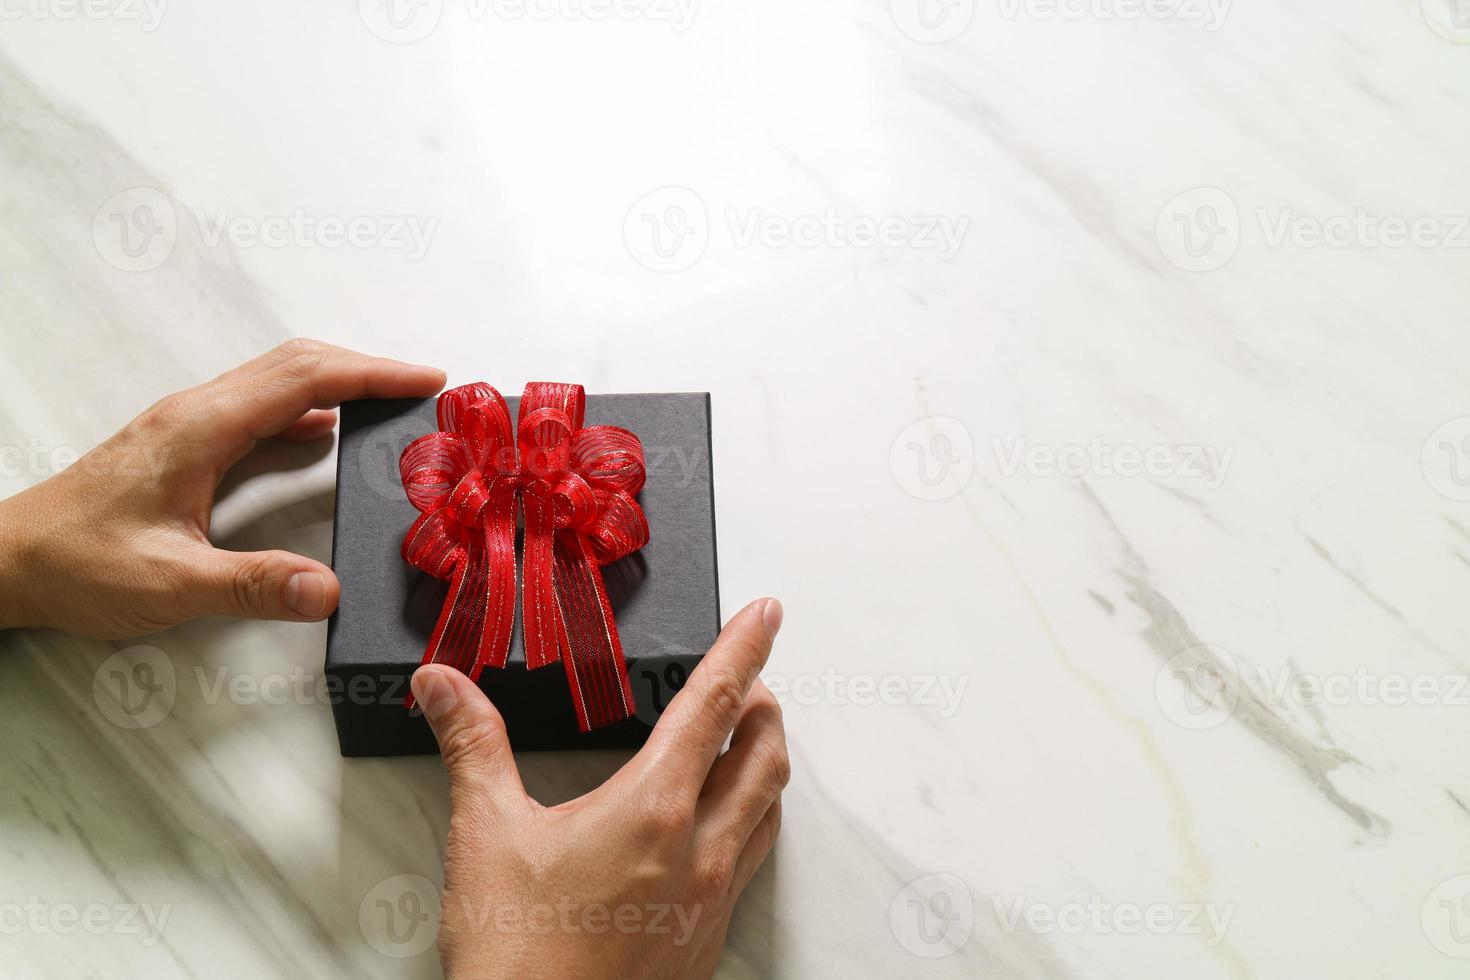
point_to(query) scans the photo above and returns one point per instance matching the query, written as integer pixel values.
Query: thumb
(262, 585)
(470, 732)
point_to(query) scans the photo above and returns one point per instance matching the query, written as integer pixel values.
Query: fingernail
(772, 614)
(434, 693)
(306, 594)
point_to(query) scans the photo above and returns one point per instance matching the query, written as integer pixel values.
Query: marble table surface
(1088, 380)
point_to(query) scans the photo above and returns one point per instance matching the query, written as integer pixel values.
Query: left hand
(117, 544)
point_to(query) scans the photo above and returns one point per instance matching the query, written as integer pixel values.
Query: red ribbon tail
(457, 635)
(477, 618)
(540, 620)
(500, 551)
(591, 651)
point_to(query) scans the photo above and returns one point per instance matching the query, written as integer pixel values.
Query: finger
(745, 781)
(265, 404)
(260, 585)
(283, 351)
(313, 425)
(712, 950)
(276, 397)
(279, 354)
(471, 735)
(757, 849)
(688, 736)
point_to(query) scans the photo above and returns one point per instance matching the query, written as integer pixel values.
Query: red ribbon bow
(576, 489)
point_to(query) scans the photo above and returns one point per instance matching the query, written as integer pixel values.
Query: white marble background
(985, 650)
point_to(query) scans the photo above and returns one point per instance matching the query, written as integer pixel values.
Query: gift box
(664, 596)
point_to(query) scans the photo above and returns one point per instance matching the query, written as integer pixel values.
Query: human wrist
(16, 564)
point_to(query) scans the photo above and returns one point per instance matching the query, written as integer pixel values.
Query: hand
(637, 878)
(117, 544)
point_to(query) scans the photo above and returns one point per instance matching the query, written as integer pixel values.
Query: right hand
(639, 877)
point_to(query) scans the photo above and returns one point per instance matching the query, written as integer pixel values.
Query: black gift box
(665, 596)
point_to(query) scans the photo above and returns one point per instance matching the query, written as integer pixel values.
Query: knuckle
(668, 815)
(305, 365)
(763, 838)
(762, 706)
(762, 697)
(724, 699)
(713, 874)
(470, 745)
(171, 410)
(250, 586)
(773, 763)
(297, 346)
